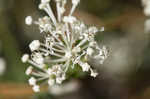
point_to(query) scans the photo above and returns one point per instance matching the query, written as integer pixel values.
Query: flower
(34, 45)
(75, 2)
(90, 51)
(51, 82)
(147, 11)
(85, 67)
(2, 66)
(38, 58)
(28, 20)
(36, 88)
(93, 74)
(68, 44)
(69, 19)
(146, 4)
(32, 81)
(45, 1)
(25, 58)
(29, 70)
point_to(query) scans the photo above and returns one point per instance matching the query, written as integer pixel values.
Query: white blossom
(29, 70)
(85, 67)
(69, 19)
(146, 2)
(28, 20)
(147, 10)
(68, 43)
(49, 71)
(38, 58)
(42, 6)
(25, 58)
(146, 5)
(75, 2)
(59, 80)
(34, 45)
(147, 25)
(62, 10)
(32, 81)
(36, 88)
(51, 82)
(93, 74)
(68, 54)
(93, 30)
(90, 51)
(45, 1)
(102, 29)
(2, 66)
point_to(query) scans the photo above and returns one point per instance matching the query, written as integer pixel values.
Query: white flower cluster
(68, 44)
(146, 5)
(2, 66)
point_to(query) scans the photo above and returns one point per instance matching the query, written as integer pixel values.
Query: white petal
(69, 19)
(90, 51)
(28, 20)
(32, 81)
(2, 66)
(45, 1)
(85, 67)
(93, 74)
(51, 82)
(25, 58)
(38, 58)
(36, 88)
(147, 11)
(34, 45)
(75, 2)
(29, 70)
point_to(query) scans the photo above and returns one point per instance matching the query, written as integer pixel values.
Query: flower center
(68, 54)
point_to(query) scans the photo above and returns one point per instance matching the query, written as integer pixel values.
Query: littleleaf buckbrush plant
(68, 44)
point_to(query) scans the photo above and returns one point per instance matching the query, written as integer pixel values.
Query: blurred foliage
(10, 50)
(43, 96)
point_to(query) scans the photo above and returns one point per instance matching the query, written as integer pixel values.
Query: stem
(58, 11)
(72, 9)
(50, 13)
(56, 60)
(82, 42)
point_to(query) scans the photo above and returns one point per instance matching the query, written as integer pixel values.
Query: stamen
(75, 3)
(82, 42)
(56, 60)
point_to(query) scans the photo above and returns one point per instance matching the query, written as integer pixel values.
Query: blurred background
(124, 75)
